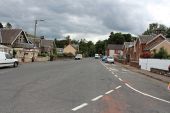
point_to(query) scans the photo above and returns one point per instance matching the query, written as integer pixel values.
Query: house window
(21, 38)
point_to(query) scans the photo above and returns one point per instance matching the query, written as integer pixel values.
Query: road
(86, 86)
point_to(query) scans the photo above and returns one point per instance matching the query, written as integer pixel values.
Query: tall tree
(8, 25)
(1, 26)
(168, 33)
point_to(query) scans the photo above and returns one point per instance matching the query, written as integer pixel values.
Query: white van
(7, 60)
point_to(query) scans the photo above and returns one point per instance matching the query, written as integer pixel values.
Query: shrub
(146, 54)
(162, 54)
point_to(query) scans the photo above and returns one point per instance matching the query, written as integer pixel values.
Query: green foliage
(100, 47)
(1, 26)
(8, 25)
(155, 28)
(162, 54)
(87, 48)
(14, 53)
(60, 43)
(119, 38)
(168, 33)
(43, 54)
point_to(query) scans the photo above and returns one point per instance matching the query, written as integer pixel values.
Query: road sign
(169, 87)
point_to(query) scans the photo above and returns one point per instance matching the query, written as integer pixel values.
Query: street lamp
(35, 30)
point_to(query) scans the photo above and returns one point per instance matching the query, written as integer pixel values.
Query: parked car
(78, 57)
(109, 59)
(104, 58)
(6, 60)
(97, 56)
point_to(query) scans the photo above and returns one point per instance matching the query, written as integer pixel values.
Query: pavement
(159, 77)
(85, 86)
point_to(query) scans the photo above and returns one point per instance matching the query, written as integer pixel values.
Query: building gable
(21, 38)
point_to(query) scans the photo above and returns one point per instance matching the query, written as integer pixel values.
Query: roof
(47, 43)
(9, 35)
(149, 47)
(146, 38)
(115, 46)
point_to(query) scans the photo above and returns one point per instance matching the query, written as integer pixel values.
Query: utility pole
(35, 31)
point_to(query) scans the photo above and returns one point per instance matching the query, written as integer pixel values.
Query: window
(8, 56)
(21, 38)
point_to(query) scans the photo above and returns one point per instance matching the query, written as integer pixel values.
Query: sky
(89, 19)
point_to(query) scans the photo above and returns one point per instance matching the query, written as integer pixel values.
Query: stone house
(17, 39)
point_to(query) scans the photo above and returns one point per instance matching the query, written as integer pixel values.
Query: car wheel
(15, 64)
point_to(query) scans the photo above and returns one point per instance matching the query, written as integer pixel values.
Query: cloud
(96, 18)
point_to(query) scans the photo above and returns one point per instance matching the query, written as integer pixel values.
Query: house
(42, 44)
(114, 50)
(149, 43)
(6, 49)
(70, 49)
(17, 39)
(128, 50)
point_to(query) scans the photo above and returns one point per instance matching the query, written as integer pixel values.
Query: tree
(155, 28)
(168, 33)
(1, 26)
(100, 47)
(8, 25)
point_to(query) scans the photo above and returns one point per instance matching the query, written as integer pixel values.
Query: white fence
(147, 64)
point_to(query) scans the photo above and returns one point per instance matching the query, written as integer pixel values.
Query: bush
(43, 54)
(162, 54)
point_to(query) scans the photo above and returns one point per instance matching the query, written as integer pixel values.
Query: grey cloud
(91, 16)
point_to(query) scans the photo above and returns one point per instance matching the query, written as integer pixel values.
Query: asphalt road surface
(85, 86)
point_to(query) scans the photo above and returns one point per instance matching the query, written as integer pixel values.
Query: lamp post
(35, 31)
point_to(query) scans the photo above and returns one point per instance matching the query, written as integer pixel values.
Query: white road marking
(116, 76)
(113, 73)
(109, 92)
(118, 87)
(124, 70)
(97, 98)
(145, 94)
(79, 107)
(120, 79)
(110, 70)
(113, 69)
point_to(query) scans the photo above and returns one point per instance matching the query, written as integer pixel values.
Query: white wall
(147, 64)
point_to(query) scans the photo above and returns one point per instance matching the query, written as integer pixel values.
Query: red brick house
(147, 43)
(114, 50)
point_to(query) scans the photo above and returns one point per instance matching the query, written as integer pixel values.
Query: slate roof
(9, 35)
(115, 47)
(146, 38)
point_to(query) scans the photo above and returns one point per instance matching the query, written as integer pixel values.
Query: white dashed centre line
(97, 98)
(147, 94)
(120, 79)
(118, 87)
(109, 92)
(116, 76)
(79, 107)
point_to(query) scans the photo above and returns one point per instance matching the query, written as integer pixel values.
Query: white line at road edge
(118, 87)
(79, 107)
(147, 94)
(109, 92)
(97, 98)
